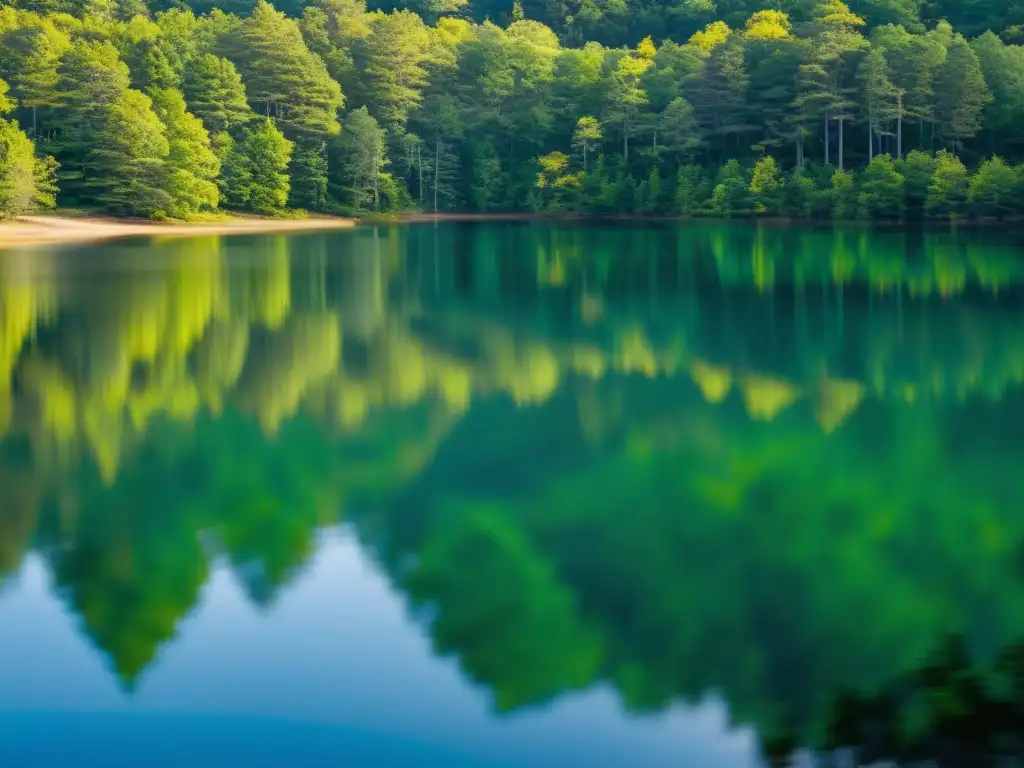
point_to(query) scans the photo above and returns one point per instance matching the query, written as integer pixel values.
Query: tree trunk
(419, 164)
(842, 122)
(899, 130)
(871, 138)
(437, 158)
(625, 146)
(376, 179)
(584, 157)
(826, 140)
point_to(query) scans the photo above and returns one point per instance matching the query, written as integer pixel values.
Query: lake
(514, 494)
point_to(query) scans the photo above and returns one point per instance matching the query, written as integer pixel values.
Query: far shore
(57, 229)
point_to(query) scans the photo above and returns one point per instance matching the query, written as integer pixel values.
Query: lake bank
(36, 230)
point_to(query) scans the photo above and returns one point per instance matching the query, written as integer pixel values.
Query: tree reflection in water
(781, 465)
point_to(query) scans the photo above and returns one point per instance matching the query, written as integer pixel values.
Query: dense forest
(883, 109)
(474, 416)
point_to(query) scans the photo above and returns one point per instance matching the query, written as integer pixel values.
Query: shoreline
(555, 217)
(58, 229)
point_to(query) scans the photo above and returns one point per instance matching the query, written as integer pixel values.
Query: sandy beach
(32, 230)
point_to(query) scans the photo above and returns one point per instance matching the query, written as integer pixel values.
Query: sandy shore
(30, 230)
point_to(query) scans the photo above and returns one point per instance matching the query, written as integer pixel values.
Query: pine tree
(309, 170)
(192, 165)
(361, 160)
(126, 160)
(214, 92)
(28, 61)
(267, 154)
(961, 94)
(394, 58)
(283, 78)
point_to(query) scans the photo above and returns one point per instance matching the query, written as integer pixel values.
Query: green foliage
(361, 158)
(125, 163)
(214, 92)
(765, 188)
(309, 176)
(947, 193)
(25, 180)
(465, 103)
(263, 157)
(283, 78)
(692, 190)
(960, 92)
(994, 189)
(730, 195)
(881, 190)
(192, 165)
(844, 196)
(917, 169)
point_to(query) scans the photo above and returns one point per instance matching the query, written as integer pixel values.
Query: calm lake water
(513, 494)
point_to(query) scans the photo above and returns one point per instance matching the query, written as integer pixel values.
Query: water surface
(513, 494)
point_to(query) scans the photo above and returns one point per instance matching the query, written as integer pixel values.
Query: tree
(91, 79)
(26, 182)
(677, 131)
(691, 190)
(627, 96)
(214, 93)
(362, 157)
(825, 87)
(1003, 69)
(947, 193)
(393, 58)
(883, 101)
(843, 193)
(126, 163)
(235, 180)
(587, 133)
(961, 94)
(994, 189)
(192, 165)
(28, 61)
(718, 94)
(253, 175)
(310, 165)
(765, 188)
(730, 194)
(917, 169)
(881, 189)
(283, 78)
(268, 153)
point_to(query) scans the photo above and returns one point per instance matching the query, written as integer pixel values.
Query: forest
(430, 390)
(880, 109)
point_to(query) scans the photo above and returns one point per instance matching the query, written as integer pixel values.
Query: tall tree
(826, 86)
(961, 94)
(393, 60)
(29, 56)
(283, 79)
(26, 181)
(586, 135)
(627, 97)
(125, 166)
(192, 166)
(214, 93)
(882, 101)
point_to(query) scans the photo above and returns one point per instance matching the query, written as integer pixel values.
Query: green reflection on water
(780, 464)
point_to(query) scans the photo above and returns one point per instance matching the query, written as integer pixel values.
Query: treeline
(157, 111)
